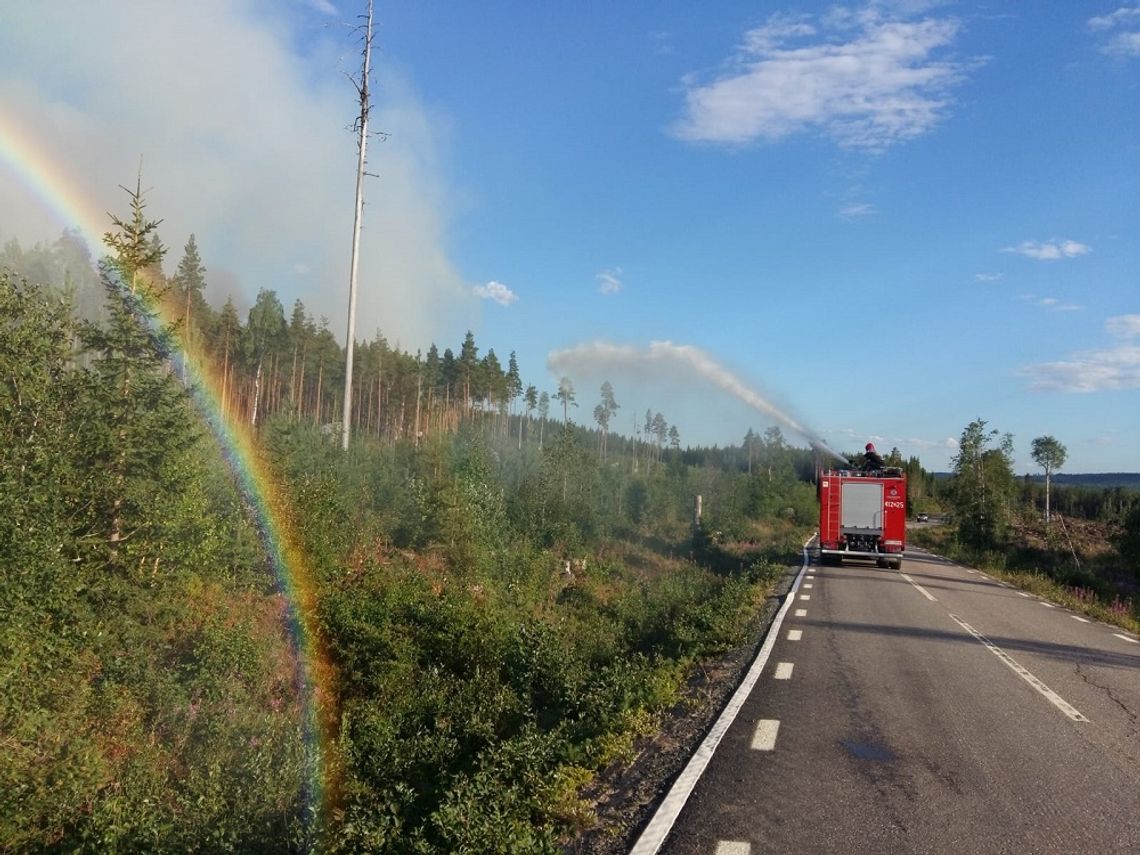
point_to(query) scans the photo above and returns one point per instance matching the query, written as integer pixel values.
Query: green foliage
(147, 699)
(503, 616)
(983, 484)
(1129, 542)
(1097, 588)
(1048, 453)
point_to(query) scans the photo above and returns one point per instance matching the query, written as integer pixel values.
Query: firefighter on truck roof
(871, 459)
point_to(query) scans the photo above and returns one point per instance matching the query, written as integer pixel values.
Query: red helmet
(870, 446)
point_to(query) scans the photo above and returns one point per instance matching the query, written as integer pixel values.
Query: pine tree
(468, 365)
(565, 394)
(490, 381)
(604, 412)
(226, 339)
(543, 412)
(265, 332)
(514, 387)
(1048, 453)
(187, 284)
(432, 376)
(300, 336)
(448, 375)
(531, 399)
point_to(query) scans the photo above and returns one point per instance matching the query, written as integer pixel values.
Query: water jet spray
(600, 355)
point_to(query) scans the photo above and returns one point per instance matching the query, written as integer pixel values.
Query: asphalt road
(928, 710)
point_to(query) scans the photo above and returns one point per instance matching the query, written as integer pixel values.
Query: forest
(497, 601)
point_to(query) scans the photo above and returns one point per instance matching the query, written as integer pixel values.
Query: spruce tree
(138, 410)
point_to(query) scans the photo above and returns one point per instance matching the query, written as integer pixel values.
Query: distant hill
(1096, 480)
(1128, 480)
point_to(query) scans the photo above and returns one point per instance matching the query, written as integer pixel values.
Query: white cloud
(662, 42)
(1089, 371)
(949, 443)
(1095, 370)
(609, 281)
(859, 438)
(988, 277)
(1123, 326)
(1051, 303)
(1050, 250)
(496, 291)
(1124, 16)
(323, 6)
(1121, 31)
(1055, 304)
(264, 182)
(868, 88)
(1124, 44)
(857, 209)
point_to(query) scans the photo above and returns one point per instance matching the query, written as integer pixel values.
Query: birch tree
(983, 483)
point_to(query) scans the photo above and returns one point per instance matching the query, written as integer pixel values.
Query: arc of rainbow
(313, 672)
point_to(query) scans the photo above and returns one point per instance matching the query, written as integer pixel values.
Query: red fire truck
(862, 515)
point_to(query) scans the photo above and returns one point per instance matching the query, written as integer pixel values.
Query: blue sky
(887, 219)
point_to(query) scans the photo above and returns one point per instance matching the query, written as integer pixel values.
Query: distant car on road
(922, 518)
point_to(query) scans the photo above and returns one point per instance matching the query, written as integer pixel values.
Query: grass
(1120, 611)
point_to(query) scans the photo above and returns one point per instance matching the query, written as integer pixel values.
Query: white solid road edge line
(733, 847)
(1053, 698)
(670, 808)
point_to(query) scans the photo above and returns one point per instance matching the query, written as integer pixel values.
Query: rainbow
(312, 670)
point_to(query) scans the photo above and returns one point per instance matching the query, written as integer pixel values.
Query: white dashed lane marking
(1049, 605)
(784, 670)
(1126, 638)
(807, 584)
(805, 596)
(654, 834)
(764, 739)
(1053, 698)
(795, 634)
(801, 612)
(1022, 594)
(920, 589)
(733, 847)
(1081, 619)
